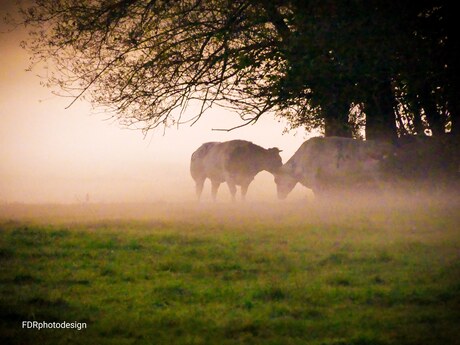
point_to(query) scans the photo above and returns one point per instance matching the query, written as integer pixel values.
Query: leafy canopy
(305, 60)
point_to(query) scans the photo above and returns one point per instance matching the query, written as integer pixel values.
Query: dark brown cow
(235, 162)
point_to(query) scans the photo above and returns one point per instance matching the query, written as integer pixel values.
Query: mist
(53, 154)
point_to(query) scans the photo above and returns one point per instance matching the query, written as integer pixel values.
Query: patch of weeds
(41, 302)
(340, 281)
(160, 304)
(175, 266)
(224, 267)
(133, 244)
(63, 233)
(11, 313)
(360, 340)
(374, 296)
(179, 239)
(84, 282)
(6, 254)
(173, 292)
(377, 280)
(273, 293)
(384, 257)
(115, 330)
(48, 309)
(237, 329)
(25, 279)
(279, 311)
(307, 314)
(109, 244)
(29, 236)
(422, 298)
(108, 271)
(248, 304)
(335, 259)
(449, 293)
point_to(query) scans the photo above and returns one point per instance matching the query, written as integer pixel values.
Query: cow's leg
(244, 189)
(232, 188)
(214, 187)
(199, 183)
(316, 186)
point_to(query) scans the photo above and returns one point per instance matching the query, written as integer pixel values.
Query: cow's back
(313, 154)
(333, 160)
(237, 161)
(222, 157)
(244, 159)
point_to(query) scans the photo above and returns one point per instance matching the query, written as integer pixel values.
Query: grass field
(382, 273)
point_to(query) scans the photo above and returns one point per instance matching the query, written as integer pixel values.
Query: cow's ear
(276, 149)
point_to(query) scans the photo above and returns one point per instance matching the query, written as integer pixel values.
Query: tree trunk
(418, 124)
(433, 116)
(380, 113)
(414, 109)
(454, 110)
(453, 69)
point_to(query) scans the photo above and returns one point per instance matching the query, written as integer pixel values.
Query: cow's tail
(197, 158)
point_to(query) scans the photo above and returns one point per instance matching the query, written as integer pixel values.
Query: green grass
(232, 274)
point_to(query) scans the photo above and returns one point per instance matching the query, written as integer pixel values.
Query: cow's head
(273, 160)
(285, 183)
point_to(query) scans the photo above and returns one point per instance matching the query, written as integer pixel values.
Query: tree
(310, 61)
(147, 59)
(428, 72)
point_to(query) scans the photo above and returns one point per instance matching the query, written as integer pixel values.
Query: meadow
(376, 273)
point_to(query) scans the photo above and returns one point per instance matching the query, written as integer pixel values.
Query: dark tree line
(389, 67)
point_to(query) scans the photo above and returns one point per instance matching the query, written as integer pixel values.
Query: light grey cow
(323, 164)
(235, 162)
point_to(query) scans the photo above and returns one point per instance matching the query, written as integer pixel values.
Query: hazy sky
(52, 154)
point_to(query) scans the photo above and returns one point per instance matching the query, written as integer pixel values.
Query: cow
(323, 164)
(235, 162)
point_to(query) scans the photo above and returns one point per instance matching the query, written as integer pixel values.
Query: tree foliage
(310, 61)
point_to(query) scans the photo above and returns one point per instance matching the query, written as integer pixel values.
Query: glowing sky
(52, 154)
